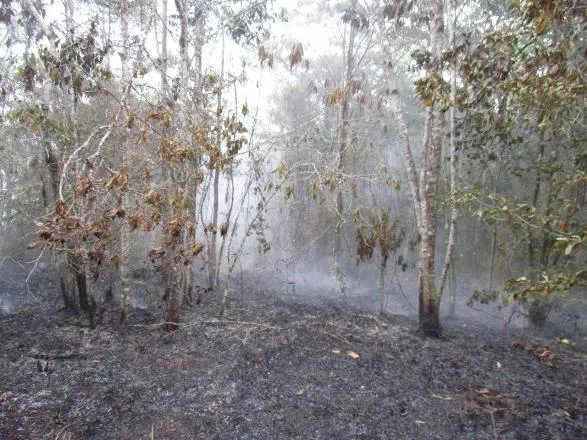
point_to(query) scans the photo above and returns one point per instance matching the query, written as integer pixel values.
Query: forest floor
(281, 367)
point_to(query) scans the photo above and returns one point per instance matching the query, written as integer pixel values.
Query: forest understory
(280, 367)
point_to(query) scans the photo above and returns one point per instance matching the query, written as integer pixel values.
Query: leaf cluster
(377, 232)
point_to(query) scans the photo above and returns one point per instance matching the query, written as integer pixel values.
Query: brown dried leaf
(118, 180)
(223, 229)
(191, 225)
(174, 227)
(296, 55)
(136, 220)
(116, 212)
(153, 197)
(197, 248)
(83, 187)
(156, 253)
(60, 208)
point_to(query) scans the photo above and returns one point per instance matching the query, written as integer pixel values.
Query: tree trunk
(492, 250)
(382, 269)
(452, 292)
(79, 273)
(229, 198)
(125, 233)
(429, 295)
(454, 213)
(185, 186)
(429, 298)
(402, 128)
(198, 102)
(349, 66)
(163, 54)
(216, 164)
(66, 282)
(213, 231)
(537, 307)
(173, 297)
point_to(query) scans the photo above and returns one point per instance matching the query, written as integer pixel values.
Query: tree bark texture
(125, 238)
(429, 295)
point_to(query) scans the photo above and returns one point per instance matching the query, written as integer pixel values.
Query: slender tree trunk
(382, 270)
(213, 263)
(125, 234)
(4, 197)
(454, 213)
(163, 62)
(67, 289)
(349, 66)
(77, 266)
(80, 279)
(540, 245)
(199, 40)
(173, 293)
(537, 313)
(174, 266)
(229, 198)
(547, 240)
(198, 103)
(53, 163)
(213, 231)
(429, 295)
(402, 128)
(452, 291)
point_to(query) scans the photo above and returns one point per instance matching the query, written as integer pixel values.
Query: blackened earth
(280, 367)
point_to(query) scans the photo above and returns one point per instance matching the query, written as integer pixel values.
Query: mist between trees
(424, 153)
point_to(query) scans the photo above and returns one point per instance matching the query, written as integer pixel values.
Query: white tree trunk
(402, 128)
(424, 184)
(429, 295)
(454, 213)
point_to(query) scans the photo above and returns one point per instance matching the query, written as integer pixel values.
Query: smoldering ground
(281, 365)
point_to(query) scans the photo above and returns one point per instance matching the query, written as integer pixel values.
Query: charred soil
(281, 367)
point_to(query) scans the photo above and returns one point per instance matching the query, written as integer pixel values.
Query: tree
(425, 188)
(520, 107)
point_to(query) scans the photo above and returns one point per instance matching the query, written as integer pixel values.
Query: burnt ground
(281, 367)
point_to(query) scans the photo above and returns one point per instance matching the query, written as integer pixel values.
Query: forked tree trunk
(180, 269)
(425, 190)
